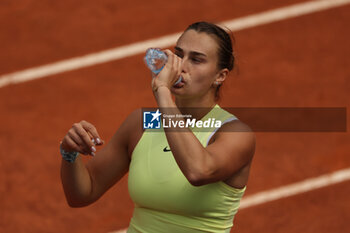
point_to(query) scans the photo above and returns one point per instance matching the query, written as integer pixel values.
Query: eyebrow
(194, 53)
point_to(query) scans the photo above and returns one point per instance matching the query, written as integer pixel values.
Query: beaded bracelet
(68, 156)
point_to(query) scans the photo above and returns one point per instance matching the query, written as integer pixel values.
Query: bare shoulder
(239, 131)
(112, 162)
(232, 148)
(132, 129)
(234, 129)
(237, 137)
(119, 145)
(132, 121)
(235, 126)
(135, 116)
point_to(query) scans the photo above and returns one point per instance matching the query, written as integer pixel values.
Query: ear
(221, 76)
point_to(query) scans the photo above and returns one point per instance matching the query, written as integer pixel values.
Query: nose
(184, 65)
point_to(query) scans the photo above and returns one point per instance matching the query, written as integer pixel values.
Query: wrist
(68, 156)
(164, 98)
(162, 92)
(163, 88)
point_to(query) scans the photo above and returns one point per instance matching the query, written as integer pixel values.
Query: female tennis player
(180, 179)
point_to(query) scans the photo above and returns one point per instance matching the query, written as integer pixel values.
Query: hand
(82, 138)
(170, 73)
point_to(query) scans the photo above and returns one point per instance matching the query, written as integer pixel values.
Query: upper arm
(111, 163)
(232, 149)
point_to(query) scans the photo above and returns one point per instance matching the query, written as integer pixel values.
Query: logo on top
(151, 120)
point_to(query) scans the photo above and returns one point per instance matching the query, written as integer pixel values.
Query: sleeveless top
(165, 201)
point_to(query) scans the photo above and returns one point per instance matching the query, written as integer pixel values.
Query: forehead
(192, 40)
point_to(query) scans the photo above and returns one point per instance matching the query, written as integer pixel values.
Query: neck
(197, 107)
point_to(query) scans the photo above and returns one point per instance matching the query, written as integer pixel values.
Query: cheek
(203, 75)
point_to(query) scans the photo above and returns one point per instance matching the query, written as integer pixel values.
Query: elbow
(200, 174)
(77, 203)
(197, 179)
(196, 183)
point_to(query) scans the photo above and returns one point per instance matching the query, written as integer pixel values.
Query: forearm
(76, 183)
(193, 159)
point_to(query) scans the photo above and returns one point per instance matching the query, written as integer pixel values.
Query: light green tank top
(165, 202)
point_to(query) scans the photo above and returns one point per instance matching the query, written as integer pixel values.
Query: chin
(176, 91)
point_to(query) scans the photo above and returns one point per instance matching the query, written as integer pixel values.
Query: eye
(196, 60)
(179, 54)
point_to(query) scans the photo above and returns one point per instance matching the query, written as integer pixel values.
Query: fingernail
(98, 140)
(93, 141)
(93, 154)
(93, 149)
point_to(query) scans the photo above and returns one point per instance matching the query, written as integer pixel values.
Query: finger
(92, 132)
(152, 83)
(75, 137)
(168, 52)
(178, 66)
(175, 65)
(78, 141)
(170, 57)
(153, 75)
(174, 62)
(177, 69)
(69, 145)
(97, 141)
(84, 137)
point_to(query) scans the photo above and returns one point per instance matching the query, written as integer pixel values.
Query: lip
(180, 84)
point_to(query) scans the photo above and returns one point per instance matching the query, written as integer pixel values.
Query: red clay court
(296, 62)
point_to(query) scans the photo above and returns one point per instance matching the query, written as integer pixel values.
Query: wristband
(68, 156)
